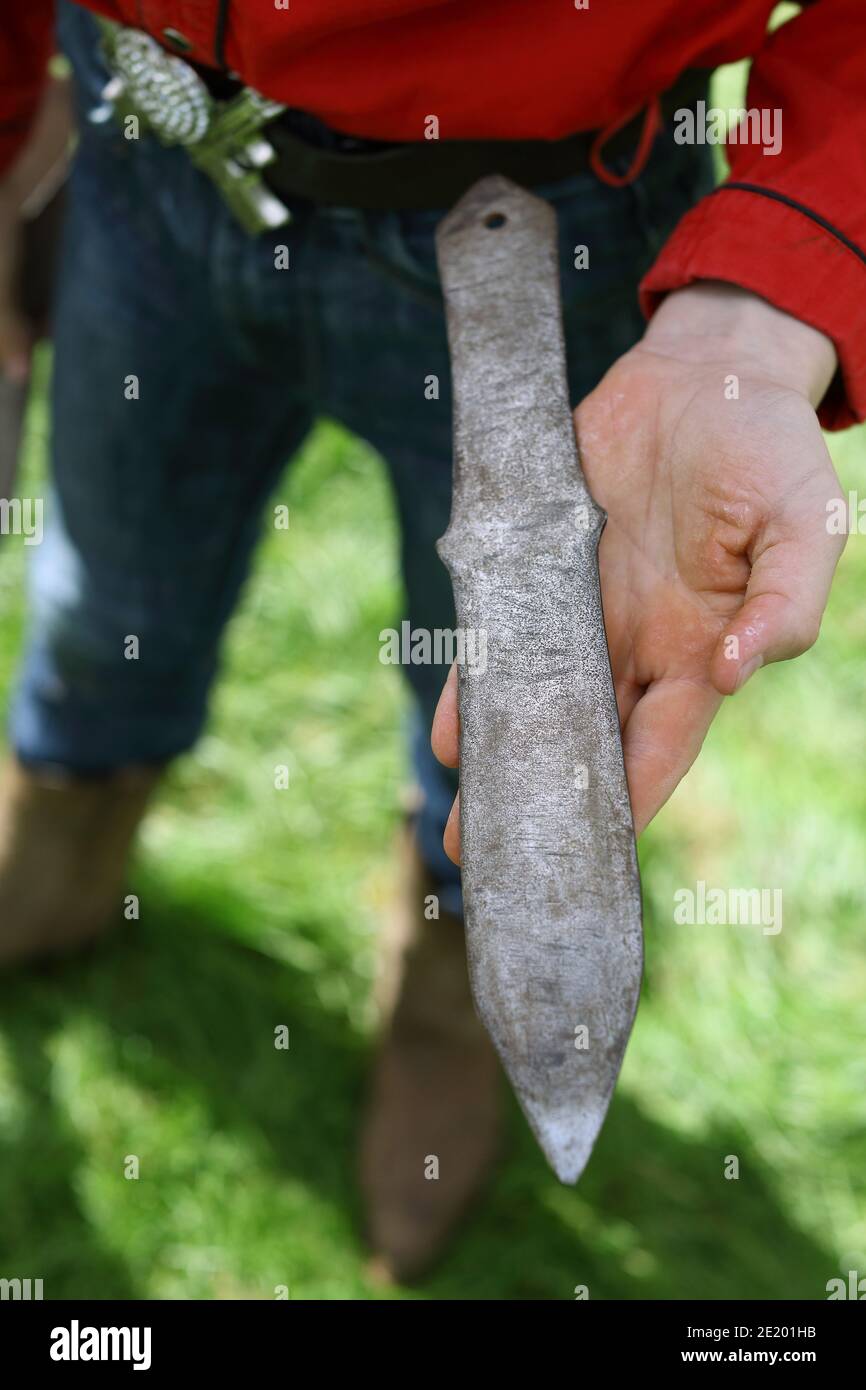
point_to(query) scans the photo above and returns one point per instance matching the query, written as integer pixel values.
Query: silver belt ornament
(223, 138)
(550, 877)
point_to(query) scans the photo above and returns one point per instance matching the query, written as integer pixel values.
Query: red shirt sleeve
(26, 42)
(791, 226)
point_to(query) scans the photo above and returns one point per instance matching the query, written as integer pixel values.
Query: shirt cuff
(788, 254)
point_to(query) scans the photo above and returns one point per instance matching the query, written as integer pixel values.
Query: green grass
(260, 908)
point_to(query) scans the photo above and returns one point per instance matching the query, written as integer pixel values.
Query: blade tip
(568, 1148)
(567, 1173)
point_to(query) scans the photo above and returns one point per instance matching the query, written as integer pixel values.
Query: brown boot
(432, 1129)
(63, 849)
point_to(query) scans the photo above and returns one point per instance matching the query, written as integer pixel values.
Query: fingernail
(748, 670)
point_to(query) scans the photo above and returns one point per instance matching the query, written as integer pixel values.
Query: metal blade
(550, 877)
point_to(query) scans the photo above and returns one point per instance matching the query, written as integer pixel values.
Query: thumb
(785, 600)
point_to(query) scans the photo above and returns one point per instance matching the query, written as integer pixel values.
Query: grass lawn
(259, 908)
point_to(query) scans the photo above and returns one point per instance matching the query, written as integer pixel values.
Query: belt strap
(429, 174)
(247, 145)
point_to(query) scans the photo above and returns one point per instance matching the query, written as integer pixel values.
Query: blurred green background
(260, 908)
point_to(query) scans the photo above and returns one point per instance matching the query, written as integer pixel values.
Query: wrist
(715, 323)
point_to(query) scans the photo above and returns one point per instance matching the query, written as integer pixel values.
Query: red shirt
(544, 68)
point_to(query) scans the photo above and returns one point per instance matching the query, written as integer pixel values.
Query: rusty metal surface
(550, 877)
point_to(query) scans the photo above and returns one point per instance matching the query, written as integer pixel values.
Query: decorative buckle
(223, 138)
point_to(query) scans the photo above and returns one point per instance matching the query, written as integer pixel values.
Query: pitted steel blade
(550, 876)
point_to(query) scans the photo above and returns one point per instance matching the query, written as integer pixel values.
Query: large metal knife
(550, 877)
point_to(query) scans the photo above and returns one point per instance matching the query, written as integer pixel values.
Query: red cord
(652, 124)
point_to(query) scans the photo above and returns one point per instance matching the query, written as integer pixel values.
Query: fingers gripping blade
(550, 877)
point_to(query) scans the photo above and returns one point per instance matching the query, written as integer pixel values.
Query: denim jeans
(157, 503)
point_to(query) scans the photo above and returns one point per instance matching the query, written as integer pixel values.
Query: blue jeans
(157, 503)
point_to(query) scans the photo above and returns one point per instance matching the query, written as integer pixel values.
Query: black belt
(321, 166)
